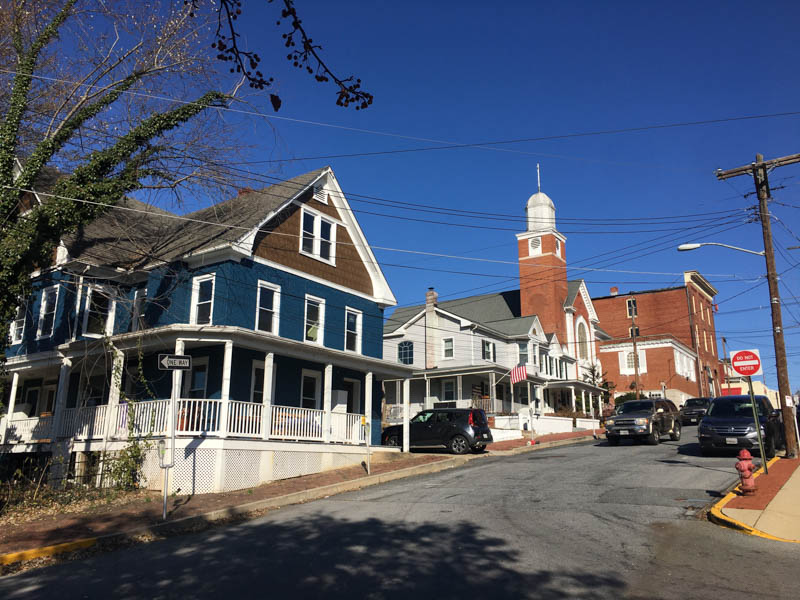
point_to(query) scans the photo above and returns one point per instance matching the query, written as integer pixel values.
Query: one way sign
(172, 362)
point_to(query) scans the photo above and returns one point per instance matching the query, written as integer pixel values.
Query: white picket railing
(244, 418)
(347, 428)
(30, 430)
(149, 417)
(198, 416)
(294, 423)
(85, 422)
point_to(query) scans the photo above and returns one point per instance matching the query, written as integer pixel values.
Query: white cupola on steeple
(541, 212)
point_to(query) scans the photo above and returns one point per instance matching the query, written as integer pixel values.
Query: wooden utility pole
(759, 170)
(633, 309)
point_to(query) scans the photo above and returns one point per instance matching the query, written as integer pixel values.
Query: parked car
(645, 420)
(694, 409)
(729, 424)
(458, 429)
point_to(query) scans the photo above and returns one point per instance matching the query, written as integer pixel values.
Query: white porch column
(12, 400)
(266, 408)
(492, 392)
(591, 405)
(427, 403)
(572, 396)
(177, 381)
(583, 401)
(327, 392)
(368, 403)
(406, 415)
(61, 397)
(225, 394)
(117, 367)
(459, 388)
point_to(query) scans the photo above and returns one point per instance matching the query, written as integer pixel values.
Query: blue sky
(473, 72)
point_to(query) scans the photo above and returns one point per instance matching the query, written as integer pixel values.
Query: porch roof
(471, 370)
(573, 383)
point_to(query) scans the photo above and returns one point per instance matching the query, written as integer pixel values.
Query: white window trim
(187, 379)
(276, 306)
(257, 364)
(315, 253)
(412, 352)
(108, 328)
(492, 351)
(359, 328)
(535, 246)
(196, 281)
(318, 387)
(519, 353)
(39, 335)
(139, 302)
(321, 337)
(452, 348)
(631, 307)
(13, 330)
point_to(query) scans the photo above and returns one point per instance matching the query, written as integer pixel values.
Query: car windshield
(733, 409)
(630, 407)
(695, 402)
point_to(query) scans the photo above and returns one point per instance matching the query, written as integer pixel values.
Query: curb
(716, 516)
(186, 523)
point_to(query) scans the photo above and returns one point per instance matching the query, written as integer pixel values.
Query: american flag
(518, 374)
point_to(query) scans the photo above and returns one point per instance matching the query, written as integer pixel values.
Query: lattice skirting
(208, 470)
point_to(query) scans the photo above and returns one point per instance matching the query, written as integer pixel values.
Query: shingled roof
(134, 234)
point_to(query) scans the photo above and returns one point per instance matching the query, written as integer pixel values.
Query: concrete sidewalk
(774, 511)
(140, 520)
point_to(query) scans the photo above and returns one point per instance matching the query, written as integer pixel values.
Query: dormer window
(318, 237)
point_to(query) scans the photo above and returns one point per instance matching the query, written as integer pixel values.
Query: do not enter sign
(746, 362)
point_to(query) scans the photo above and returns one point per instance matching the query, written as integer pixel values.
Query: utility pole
(633, 309)
(725, 366)
(758, 170)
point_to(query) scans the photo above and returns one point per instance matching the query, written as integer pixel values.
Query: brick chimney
(614, 291)
(431, 327)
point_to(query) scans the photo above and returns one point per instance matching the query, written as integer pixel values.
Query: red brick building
(676, 340)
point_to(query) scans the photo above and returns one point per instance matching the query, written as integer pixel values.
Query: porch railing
(196, 416)
(83, 423)
(293, 423)
(346, 427)
(32, 429)
(244, 418)
(149, 417)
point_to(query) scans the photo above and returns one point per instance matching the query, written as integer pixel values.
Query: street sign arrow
(172, 362)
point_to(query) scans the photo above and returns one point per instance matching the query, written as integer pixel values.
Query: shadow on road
(315, 557)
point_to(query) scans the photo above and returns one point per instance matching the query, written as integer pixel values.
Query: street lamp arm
(687, 247)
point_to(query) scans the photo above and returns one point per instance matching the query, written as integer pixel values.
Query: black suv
(459, 429)
(694, 409)
(646, 419)
(729, 423)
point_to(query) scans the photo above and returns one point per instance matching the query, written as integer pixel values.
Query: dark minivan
(694, 409)
(729, 424)
(458, 429)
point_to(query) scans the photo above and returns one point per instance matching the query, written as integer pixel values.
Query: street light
(789, 423)
(686, 247)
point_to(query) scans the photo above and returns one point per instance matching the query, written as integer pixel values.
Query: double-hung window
(633, 331)
(202, 300)
(447, 348)
(98, 316)
(523, 353)
(47, 312)
(448, 390)
(352, 330)
(489, 352)
(318, 237)
(268, 305)
(405, 353)
(315, 320)
(632, 310)
(17, 330)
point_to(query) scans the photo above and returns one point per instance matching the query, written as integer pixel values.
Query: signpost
(170, 362)
(747, 363)
(367, 434)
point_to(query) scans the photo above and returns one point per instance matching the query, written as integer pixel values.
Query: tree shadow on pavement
(312, 556)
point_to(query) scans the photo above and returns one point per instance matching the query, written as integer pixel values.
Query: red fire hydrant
(746, 468)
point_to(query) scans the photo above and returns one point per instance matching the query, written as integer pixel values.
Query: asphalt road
(588, 521)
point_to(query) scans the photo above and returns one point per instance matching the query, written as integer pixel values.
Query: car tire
(478, 448)
(458, 444)
(393, 441)
(654, 438)
(769, 447)
(676, 432)
(613, 440)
